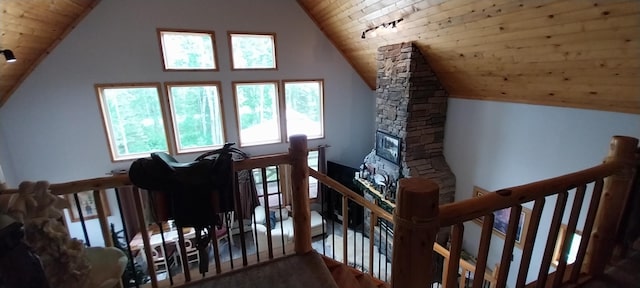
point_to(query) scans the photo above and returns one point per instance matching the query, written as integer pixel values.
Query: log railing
(113, 184)
(418, 218)
(609, 184)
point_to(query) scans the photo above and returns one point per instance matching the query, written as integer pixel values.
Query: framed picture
(87, 204)
(501, 220)
(388, 147)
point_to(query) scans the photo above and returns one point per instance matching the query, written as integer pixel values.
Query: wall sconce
(8, 55)
(389, 25)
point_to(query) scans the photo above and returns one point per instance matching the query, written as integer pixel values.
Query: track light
(8, 55)
(392, 26)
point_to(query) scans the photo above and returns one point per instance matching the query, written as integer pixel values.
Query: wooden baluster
(568, 235)
(415, 228)
(561, 202)
(372, 230)
(345, 225)
(102, 218)
(137, 199)
(267, 216)
(216, 254)
(509, 242)
(238, 213)
(300, 192)
(445, 271)
(454, 254)
(483, 250)
(616, 189)
(527, 249)
(183, 255)
(463, 278)
(588, 227)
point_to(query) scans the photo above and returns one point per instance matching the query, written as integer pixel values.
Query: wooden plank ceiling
(575, 53)
(31, 29)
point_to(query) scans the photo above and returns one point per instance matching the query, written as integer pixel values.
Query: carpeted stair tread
(307, 271)
(348, 277)
(365, 281)
(343, 277)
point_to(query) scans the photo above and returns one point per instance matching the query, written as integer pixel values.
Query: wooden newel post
(614, 194)
(300, 193)
(415, 227)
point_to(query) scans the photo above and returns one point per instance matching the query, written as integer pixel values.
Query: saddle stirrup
(202, 242)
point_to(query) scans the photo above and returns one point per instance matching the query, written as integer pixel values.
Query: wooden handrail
(100, 183)
(466, 265)
(417, 221)
(120, 180)
(261, 162)
(353, 196)
(472, 208)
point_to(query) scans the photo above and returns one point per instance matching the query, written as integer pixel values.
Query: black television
(344, 175)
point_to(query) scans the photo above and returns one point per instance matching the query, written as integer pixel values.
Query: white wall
(52, 126)
(496, 145)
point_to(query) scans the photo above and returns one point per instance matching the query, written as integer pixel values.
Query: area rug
(358, 257)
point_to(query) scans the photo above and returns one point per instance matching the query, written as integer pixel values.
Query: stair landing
(308, 270)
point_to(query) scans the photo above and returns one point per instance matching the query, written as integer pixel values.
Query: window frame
(284, 105)
(275, 49)
(174, 129)
(212, 34)
(278, 111)
(106, 121)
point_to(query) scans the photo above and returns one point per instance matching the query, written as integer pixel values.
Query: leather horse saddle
(191, 193)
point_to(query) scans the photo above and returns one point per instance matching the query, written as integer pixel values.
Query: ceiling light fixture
(8, 55)
(389, 25)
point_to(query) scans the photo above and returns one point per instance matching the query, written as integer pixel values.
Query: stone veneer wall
(412, 105)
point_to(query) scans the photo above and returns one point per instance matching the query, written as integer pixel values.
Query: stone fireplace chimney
(412, 105)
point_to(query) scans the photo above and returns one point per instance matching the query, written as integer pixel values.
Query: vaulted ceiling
(31, 29)
(574, 53)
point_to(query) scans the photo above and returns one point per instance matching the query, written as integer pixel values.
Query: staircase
(310, 270)
(347, 277)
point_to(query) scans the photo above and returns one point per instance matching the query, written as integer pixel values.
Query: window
(132, 117)
(304, 109)
(196, 115)
(252, 51)
(573, 248)
(257, 112)
(188, 50)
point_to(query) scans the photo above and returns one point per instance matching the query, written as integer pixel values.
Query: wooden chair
(225, 232)
(192, 254)
(163, 260)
